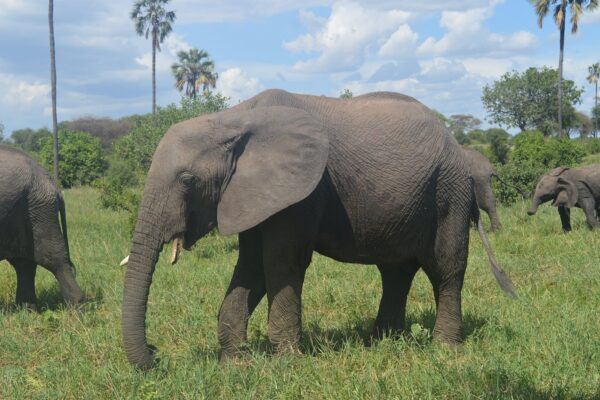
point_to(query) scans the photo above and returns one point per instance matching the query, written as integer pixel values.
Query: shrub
(592, 146)
(533, 155)
(80, 158)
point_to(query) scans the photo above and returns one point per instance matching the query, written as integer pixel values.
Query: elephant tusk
(177, 245)
(124, 262)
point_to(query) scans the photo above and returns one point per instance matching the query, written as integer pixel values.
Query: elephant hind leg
(245, 291)
(445, 268)
(25, 270)
(396, 280)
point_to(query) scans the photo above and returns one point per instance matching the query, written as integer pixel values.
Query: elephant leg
(565, 218)
(245, 291)
(445, 268)
(288, 243)
(487, 203)
(396, 280)
(588, 208)
(25, 270)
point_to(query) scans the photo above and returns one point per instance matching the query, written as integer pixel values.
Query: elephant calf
(568, 188)
(30, 233)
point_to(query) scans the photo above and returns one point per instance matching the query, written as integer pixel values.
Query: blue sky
(441, 52)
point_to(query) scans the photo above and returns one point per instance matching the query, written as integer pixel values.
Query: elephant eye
(187, 179)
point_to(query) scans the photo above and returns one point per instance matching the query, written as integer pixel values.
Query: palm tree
(193, 70)
(53, 84)
(560, 10)
(151, 18)
(593, 78)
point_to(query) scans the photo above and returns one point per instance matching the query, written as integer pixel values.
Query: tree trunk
(596, 109)
(154, 41)
(560, 71)
(53, 84)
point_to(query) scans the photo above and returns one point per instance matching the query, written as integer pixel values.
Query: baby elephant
(30, 233)
(567, 188)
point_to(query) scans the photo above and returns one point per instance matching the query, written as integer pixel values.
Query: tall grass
(545, 344)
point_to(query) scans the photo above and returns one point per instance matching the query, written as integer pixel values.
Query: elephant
(568, 188)
(30, 232)
(482, 171)
(375, 179)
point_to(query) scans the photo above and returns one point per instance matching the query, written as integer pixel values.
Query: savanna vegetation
(542, 345)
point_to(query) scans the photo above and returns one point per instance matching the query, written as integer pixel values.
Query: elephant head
(230, 170)
(553, 186)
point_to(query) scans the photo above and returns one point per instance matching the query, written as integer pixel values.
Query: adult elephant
(482, 172)
(30, 233)
(373, 180)
(568, 188)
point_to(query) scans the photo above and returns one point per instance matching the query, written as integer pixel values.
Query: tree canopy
(528, 100)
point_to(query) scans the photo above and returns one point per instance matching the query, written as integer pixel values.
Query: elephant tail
(501, 277)
(518, 189)
(63, 220)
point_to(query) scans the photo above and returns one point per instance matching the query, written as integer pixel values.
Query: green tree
(53, 84)
(346, 94)
(1, 132)
(151, 19)
(81, 160)
(561, 8)
(498, 139)
(193, 70)
(593, 77)
(595, 117)
(583, 124)
(30, 140)
(528, 100)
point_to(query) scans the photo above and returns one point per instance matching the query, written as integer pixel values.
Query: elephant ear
(558, 171)
(567, 193)
(279, 157)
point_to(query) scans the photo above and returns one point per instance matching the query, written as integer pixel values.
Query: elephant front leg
(565, 218)
(396, 281)
(286, 256)
(245, 291)
(25, 270)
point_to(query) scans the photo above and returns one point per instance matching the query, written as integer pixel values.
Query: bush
(499, 147)
(592, 146)
(80, 158)
(533, 155)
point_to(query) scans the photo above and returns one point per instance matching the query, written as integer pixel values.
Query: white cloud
(488, 67)
(466, 35)
(19, 94)
(401, 41)
(591, 17)
(441, 70)
(168, 54)
(237, 85)
(349, 34)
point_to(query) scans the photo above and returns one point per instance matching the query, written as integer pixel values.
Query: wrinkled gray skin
(568, 188)
(482, 171)
(374, 180)
(30, 233)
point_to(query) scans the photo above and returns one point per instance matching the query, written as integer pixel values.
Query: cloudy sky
(442, 52)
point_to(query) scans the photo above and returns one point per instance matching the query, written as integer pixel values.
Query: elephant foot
(27, 306)
(385, 330)
(287, 348)
(238, 359)
(450, 340)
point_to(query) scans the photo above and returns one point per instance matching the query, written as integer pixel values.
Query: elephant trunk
(534, 205)
(147, 244)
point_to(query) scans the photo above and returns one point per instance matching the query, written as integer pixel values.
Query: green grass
(545, 344)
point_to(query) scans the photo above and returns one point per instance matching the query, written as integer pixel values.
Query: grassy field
(545, 344)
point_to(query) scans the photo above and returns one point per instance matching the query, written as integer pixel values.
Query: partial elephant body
(482, 171)
(568, 188)
(30, 233)
(375, 179)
